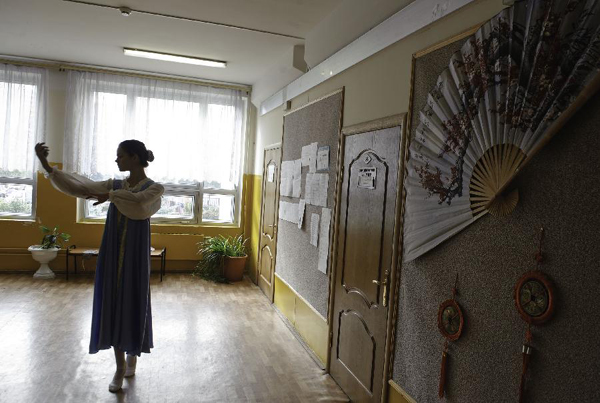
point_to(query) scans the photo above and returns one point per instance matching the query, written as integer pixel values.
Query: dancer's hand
(42, 151)
(100, 197)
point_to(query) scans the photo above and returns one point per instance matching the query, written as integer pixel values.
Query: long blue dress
(122, 315)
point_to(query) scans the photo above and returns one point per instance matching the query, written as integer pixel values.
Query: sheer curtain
(22, 118)
(194, 131)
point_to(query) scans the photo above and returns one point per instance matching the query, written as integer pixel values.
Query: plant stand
(43, 256)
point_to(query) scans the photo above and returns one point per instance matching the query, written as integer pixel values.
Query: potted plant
(223, 258)
(47, 251)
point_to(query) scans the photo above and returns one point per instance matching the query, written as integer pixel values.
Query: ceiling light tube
(174, 58)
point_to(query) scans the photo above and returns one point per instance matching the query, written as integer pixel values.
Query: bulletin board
(557, 190)
(297, 263)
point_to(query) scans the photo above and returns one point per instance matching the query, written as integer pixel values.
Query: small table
(74, 251)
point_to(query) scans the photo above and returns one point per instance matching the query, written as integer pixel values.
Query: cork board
(559, 190)
(297, 259)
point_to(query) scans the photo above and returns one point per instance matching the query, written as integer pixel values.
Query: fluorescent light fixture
(173, 58)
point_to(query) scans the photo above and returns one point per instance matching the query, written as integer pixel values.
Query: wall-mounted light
(174, 58)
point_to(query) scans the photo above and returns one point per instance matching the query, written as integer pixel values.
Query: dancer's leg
(117, 382)
(131, 362)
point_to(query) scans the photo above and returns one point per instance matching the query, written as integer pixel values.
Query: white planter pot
(44, 256)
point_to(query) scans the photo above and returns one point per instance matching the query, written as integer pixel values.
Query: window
(195, 132)
(22, 107)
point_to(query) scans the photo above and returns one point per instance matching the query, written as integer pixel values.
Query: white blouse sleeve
(77, 185)
(140, 205)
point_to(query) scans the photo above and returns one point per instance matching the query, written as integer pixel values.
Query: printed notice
(309, 157)
(271, 173)
(314, 229)
(366, 178)
(297, 179)
(287, 178)
(288, 212)
(317, 186)
(324, 242)
(323, 159)
(301, 208)
(291, 178)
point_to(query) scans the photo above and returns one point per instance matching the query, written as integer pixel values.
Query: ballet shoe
(117, 381)
(131, 362)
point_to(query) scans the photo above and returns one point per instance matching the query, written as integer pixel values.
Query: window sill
(17, 219)
(174, 225)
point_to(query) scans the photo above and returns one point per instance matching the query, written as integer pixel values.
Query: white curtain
(195, 132)
(22, 118)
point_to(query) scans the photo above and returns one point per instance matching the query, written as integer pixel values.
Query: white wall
(349, 20)
(380, 85)
(269, 131)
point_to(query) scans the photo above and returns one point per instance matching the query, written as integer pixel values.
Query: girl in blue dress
(121, 317)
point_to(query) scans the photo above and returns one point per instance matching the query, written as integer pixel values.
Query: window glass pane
(172, 129)
(18, 121)
(16, 199)
(98, 211)
(176, 207)
(110, 123)
(218, 208)
(221, 144)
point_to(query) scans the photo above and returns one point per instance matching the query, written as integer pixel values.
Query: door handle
(384, 284)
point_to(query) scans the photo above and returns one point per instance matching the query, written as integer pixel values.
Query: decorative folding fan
(512, 85)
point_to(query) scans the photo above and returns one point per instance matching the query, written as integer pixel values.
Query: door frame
(377, 124)
(262, 212)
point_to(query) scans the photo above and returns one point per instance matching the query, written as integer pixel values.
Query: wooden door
(268, 221)
(365, 258)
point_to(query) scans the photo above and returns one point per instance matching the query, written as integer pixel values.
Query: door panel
(365, 246)
(357, 355)
(360, 234)
(268, 222)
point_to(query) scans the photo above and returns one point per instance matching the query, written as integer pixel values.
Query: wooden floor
(213, 343)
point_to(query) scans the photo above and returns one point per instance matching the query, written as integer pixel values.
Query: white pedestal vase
(44, 256)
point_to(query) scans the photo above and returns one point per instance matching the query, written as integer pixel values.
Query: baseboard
(307, 322)
(398, 395)
(297, 335)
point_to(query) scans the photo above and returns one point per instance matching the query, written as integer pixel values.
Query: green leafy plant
(213, 250)
(53, 238)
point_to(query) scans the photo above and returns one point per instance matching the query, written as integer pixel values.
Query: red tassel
(443, 373)
(526, 357)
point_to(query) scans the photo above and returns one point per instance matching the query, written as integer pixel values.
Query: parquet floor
(213, 343)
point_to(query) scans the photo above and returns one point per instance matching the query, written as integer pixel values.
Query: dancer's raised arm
(70, 184)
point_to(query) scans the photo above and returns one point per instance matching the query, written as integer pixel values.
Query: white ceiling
(78, 33)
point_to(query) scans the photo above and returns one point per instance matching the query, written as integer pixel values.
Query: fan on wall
(512, 85)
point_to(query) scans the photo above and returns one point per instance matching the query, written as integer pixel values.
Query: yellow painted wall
(311, 326)
(252, 202)
(55, 208)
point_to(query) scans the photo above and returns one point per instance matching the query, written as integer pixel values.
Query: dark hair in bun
(135, 147)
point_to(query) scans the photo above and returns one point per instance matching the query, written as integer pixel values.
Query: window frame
(24, 181)
(197, 192)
